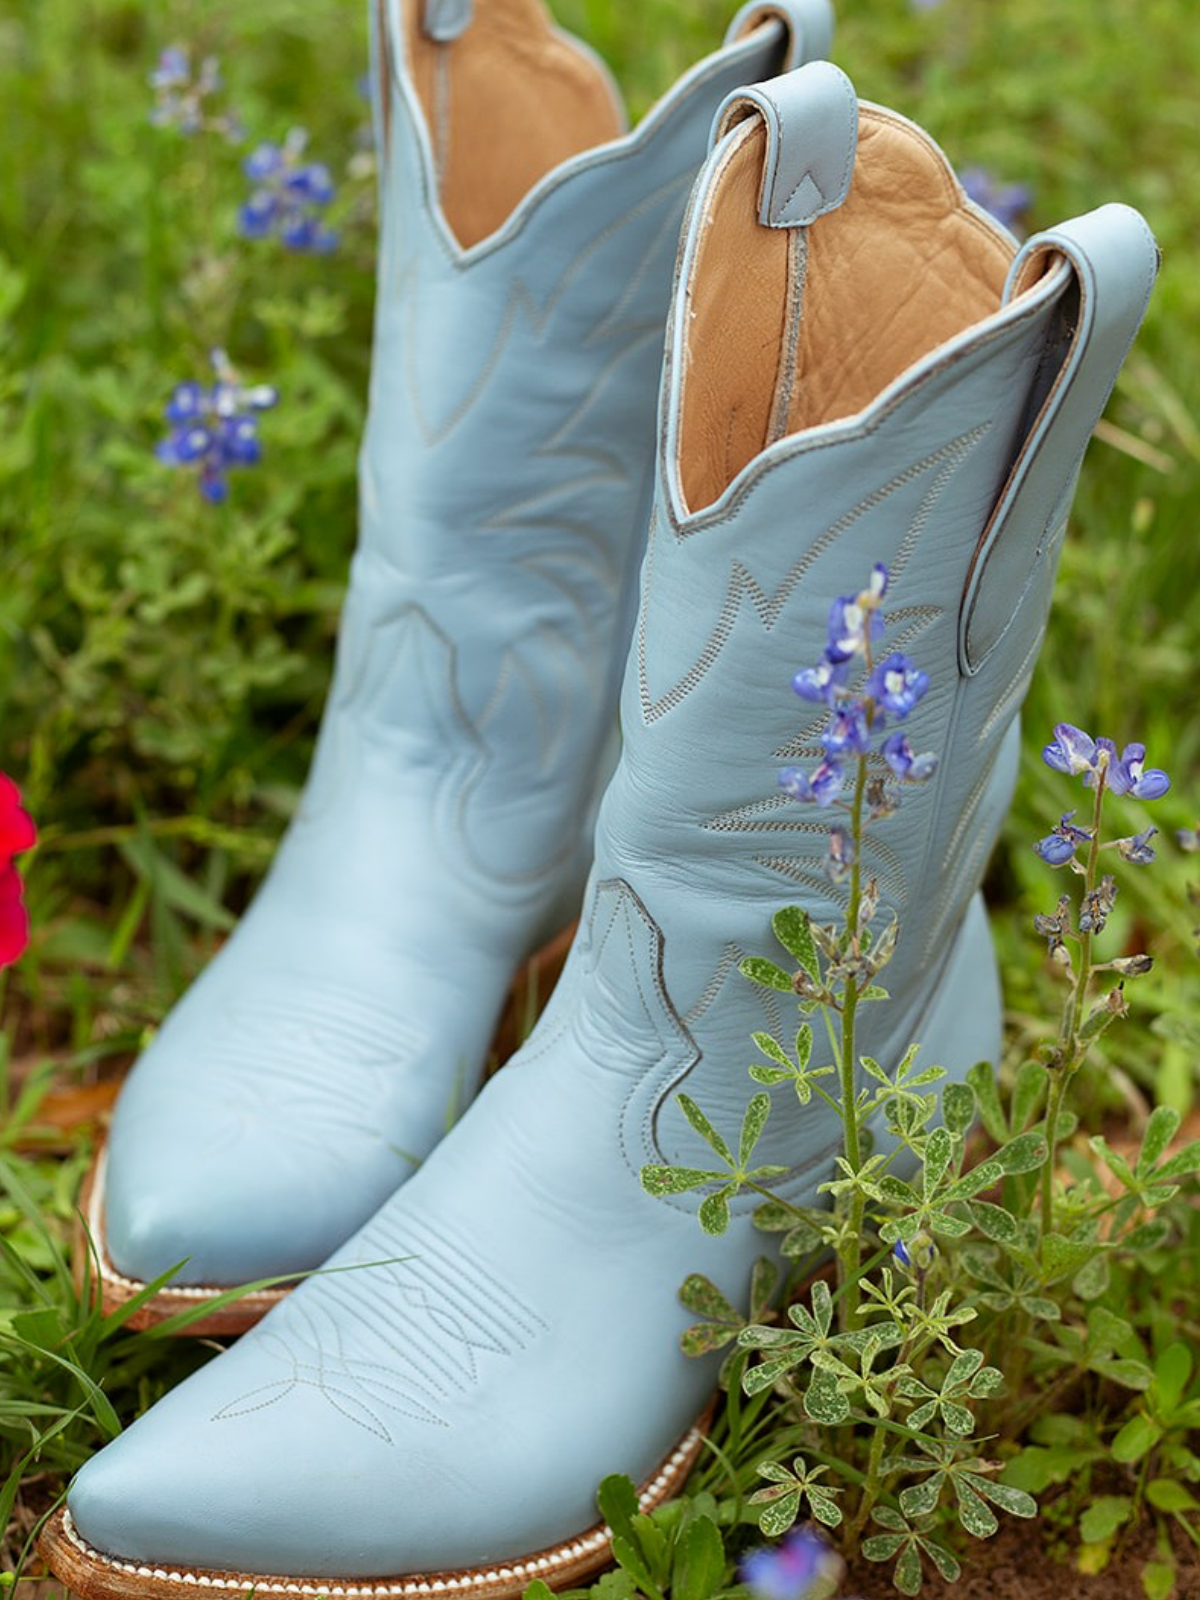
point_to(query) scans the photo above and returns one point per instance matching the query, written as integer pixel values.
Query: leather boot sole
(91, 1575)
(529, 992)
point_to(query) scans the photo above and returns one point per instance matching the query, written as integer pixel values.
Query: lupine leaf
(793, 929)
(1180, 1165)
(702, 1338)
(1015, 1501)
(882, 1546)
(965, 1365)
(919, 1499)
(704, 1127)
(703, 1297)
(1160, 1130)
(822, 1305)
(771, 1047)
(753, 1124)
(674, 1180)
(825, 1508)
(974, 1515)
(1092, 1279)
(993, 1221)
(714, 1212)
(938, 1152)
(942, 1559)
(804, 1045)
(1028, 1089)
(773, 1075)
(958, 1107)
(762, 1376)
(982, 1079)
(778, 1517)
(824, 1401)
(764, 1279)
(766, 974)
(907, 1574)
(957, 1418)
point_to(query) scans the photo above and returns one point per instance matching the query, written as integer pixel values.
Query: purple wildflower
(215, 428)
(182, 101)
(1059, 847)
(854, 620)
(847, 733)
(897, 685)
(822, 788)
(1129, 775)
(841, 854)
(1073, 751)
(1007, 202)
(821, 683)
(288, 197)
(1137, 848)
(898, 754)
(801, 1567)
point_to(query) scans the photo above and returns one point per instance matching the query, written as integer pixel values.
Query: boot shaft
(525, 264)
(860, 368)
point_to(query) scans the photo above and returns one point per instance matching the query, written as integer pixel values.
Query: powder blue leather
(808, 172)
(445, 828)
(459, 1404)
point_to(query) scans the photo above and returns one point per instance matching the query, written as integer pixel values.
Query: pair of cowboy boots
(861, 367)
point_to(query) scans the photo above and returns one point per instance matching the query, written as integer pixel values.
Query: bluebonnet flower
(898, 754)
(1188, 839)
(821, 683)
(1076, 753)
(1129, 775)
(1072, 751)
(841, 854)
(847, 733)
(289, 196)
(900, 1251)
(180, 100)
(1059, 847)
(215, 428)
(801, 1567)
(854, 620)
(822, 788)
(1007, 202)
(896, 685)
(1137, 848)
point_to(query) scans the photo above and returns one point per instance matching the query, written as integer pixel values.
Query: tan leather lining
(504, 103)
(894, 272)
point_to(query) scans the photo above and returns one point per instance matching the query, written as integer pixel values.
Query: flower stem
(870, 1494)
(1071, 1050)
(850, 1255)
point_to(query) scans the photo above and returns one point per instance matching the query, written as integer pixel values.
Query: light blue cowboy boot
(861, 367)
(445, 831)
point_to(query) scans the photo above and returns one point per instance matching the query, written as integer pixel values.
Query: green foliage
(162, 666)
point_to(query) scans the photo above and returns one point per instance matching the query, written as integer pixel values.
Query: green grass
(162, 665)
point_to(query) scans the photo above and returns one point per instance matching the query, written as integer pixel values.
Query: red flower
(17, 833)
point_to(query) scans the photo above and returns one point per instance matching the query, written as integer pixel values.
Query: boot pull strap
(811, 117)
(809, 26)
(1114, 260)
(446, 20)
